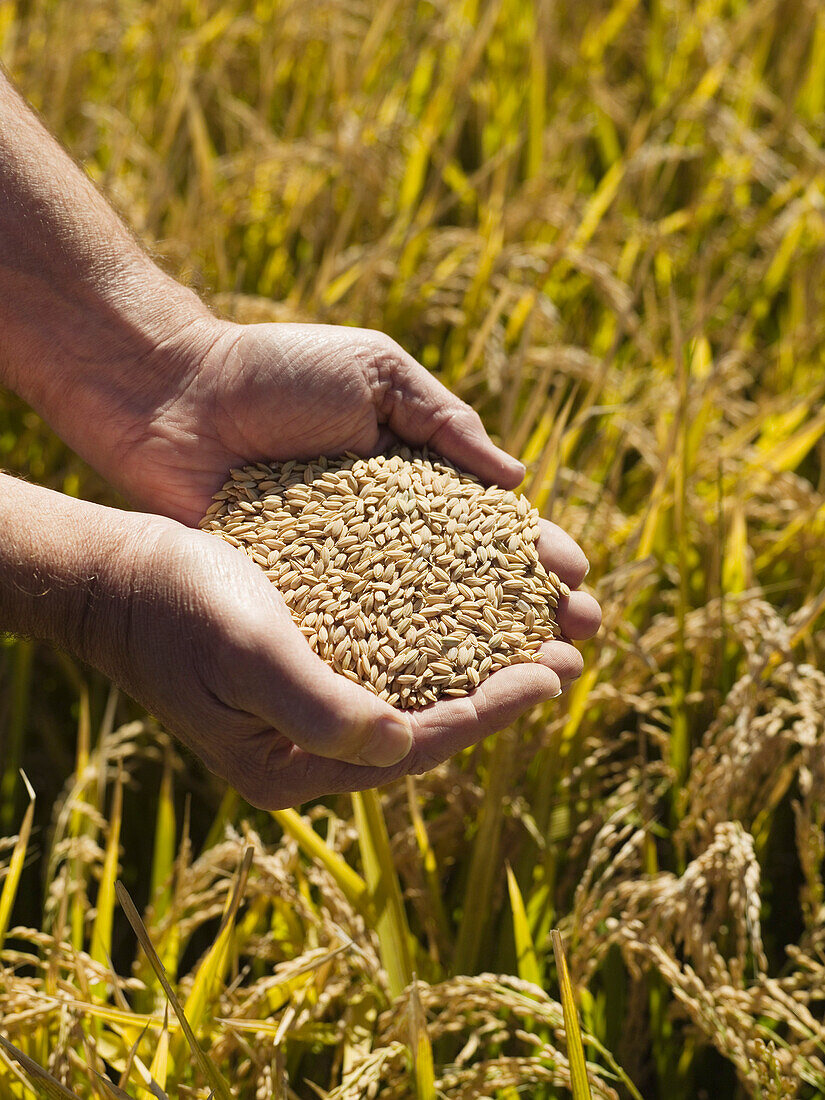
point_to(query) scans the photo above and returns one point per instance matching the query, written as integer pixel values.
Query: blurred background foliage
(603, 224)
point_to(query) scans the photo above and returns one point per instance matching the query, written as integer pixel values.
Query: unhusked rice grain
(404, 574)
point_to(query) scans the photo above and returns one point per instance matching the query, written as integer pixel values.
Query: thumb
(420, 410)
(285, 684)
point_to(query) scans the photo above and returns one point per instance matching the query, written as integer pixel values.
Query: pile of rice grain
(404, 574)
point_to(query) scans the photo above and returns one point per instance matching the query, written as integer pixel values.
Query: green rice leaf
(101, 948)
(422, 1051)
(575, 1047)
(526, 960)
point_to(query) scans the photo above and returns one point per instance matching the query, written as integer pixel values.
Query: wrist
(64, 575)
(97, 342)
(82, 307)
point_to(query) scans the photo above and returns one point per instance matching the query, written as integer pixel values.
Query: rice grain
(403, 573)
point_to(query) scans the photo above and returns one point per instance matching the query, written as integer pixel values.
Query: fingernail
(558, 693)
(586, 569)
(390, 742)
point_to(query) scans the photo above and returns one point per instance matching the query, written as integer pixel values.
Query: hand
(281, 391)
(195, 632)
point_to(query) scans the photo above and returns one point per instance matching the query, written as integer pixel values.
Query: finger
(560, 553)
(279, 679)
(450, 725)
(579, 615)
(273, 774)
(422, 411)
(564, 659)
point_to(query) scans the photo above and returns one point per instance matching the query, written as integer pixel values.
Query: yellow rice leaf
(160, 1059)
(598, 204)
(299, 977)
(526, 960)
(781, 262)
(390, 918)
(18, 858)
(577, 701)
(812, 94)
(126, 1020)
(484, 863)
(537, 102)
(518, 316)
(163, 857)
(339, 287)
(812, 524)
(45, 1082)
(101, 949)
(735, 566)
(353, 887)
(78, 821)
(12, 1068)
(572, 1031)
(213, 967)
(786, 456)
(596, 41)
(428, 860)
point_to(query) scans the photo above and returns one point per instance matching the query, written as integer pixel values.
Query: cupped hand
(200, 637)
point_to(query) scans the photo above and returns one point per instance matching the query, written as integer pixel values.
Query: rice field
(602, 224)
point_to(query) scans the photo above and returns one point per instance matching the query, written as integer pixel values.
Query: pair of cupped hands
(207, 643)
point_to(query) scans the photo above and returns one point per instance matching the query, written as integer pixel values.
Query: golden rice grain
(403, 573)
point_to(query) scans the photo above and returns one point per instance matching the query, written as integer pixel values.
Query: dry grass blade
(203, 1060)
(14, 1070)
(18, 858)
(109, 1088)
(130, 1058)
(575, 1048)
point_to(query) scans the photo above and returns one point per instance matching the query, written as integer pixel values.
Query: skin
(161, 397)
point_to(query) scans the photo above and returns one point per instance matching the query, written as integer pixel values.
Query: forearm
(60, 568)
(82, 306)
